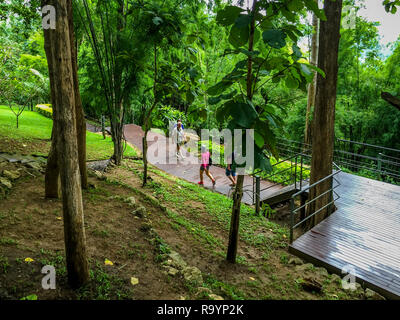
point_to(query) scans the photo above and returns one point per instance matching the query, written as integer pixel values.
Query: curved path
(188, 169)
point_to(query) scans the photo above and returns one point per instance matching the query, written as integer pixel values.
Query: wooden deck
(364, 233)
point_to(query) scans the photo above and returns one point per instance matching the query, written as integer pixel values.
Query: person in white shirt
(179, 138)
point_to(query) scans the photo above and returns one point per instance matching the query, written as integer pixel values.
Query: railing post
(295, 172)
(291, 219)
(380, 165)
(252, 195)
(258, 188)
(301, 171)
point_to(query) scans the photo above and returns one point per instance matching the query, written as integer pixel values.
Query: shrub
(45, 110)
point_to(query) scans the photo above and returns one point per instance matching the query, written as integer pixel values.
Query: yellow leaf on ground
(59, 218)
(252, 279)
(108, 262)
(284, 236)
(134, 281)
(29, 260)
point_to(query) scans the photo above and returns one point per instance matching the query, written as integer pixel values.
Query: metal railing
(372, 161)
(305, 201)
(294, 174)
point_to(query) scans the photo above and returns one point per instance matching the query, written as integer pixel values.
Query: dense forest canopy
(196, 60)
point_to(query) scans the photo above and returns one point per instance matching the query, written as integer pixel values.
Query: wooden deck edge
(279, 196)
(332, 269)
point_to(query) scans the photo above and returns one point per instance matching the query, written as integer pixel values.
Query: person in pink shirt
(205, 166)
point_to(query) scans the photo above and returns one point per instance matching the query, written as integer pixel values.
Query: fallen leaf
(59, 218)
(134, 281)
(108, 262)
(29, 260)
(284, 236)
(252, 279)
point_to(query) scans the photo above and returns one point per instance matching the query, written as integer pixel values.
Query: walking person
(205, 166)
(230, 170)
(179, 138)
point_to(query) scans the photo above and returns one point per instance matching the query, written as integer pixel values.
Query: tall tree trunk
(58, 45)
(52, 181)
(313, 84)
(80, 117)
(145, 161)
(324, 111)
(147, 119)
(238, 194)
(52, 186)
(116, 133)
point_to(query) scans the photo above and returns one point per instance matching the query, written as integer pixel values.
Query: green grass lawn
(34, 132)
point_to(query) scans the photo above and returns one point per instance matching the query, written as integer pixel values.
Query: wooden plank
(363, 232)
(359, 261)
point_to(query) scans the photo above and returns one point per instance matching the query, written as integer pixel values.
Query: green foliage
(34, 127)
(274, 60)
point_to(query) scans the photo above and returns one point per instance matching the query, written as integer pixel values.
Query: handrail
(378, 165)
(368, 145)
(318, 182)
(331, 190)
(295, 162)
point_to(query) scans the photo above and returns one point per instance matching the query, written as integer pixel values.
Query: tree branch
(395, 102)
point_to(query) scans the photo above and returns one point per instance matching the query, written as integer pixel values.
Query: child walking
(230, 170)
(205, 166)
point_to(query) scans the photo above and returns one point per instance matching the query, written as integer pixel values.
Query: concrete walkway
(188, 168)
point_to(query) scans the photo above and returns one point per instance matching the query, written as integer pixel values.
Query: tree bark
(238, 194)
(147, 118)
(395, 102)
(324, 111)
(58, 49)
(52, 188)
(312, 86)
(80, 117)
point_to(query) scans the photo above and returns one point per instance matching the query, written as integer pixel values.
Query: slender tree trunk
(324, 111)
(52, 185)
(238, 194)
(313, 84)
(80, 117)
(52, 181)
(116, 130)
(147, 119)
(58, 46)
(145, 164)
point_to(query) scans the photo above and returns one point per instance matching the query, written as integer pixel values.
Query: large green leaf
(261, 161)
(238, 37)
(296, 52)
(291, 82)
(228, 15)
(275, 38)
(243, 114)
(219, 88)
(243, 21)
